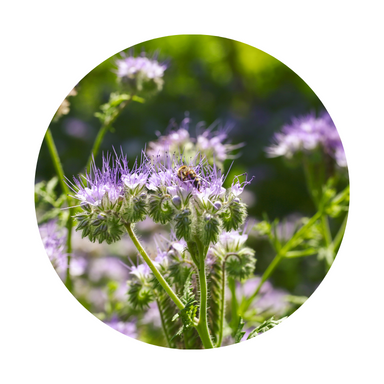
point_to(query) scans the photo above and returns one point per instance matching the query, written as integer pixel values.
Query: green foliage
(188, 313)
(167, 309)
(160, 209)
(264, 327)
(47, 201)
(335, 204)
(111, 110)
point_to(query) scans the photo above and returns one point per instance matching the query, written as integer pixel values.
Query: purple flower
(127, 328)
(99, 183)
(307, 133)
(141, 271)
(54, 244)
(132, 66)
(136, 178)
(232, 240)
(211, 143)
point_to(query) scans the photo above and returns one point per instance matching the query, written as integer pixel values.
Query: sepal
(183, 225)
(210, 229)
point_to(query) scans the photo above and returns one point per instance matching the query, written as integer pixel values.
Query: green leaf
(265, 326)
(188, 313)
(239, 332)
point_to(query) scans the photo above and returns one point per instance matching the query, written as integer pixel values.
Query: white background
(47, 336)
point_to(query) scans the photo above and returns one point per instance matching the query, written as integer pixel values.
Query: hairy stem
(202, 326)
(155, 271)
(222, 308)
(60, 173)
(234, 303)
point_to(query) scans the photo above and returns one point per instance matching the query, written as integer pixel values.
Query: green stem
(103, 130)
(340, 234)
(280, 255)
(202, 327)
(56, 162)
(60, 173)
(326, 230)
(155, 271)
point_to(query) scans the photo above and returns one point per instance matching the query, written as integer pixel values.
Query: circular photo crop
(192, 192)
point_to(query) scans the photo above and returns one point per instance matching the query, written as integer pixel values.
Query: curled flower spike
(306, 134)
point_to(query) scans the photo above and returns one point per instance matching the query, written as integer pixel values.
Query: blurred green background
(210, 78)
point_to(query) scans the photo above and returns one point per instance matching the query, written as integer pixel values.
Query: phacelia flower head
(210, 142)
(306, 134)
(140, 73)
(100, 183)
(101, 195)
(134, 179)
(54, 244)
(141, 271)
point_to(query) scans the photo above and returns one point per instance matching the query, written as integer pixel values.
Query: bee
(185, 173)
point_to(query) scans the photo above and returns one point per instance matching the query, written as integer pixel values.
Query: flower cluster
(140, 73)
(306, 134)
(211, 142)
(189, 195)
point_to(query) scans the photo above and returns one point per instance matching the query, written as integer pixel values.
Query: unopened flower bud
(207, 217)
(236, 200)
(86, 206)
(176, 201)
(217, 205)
